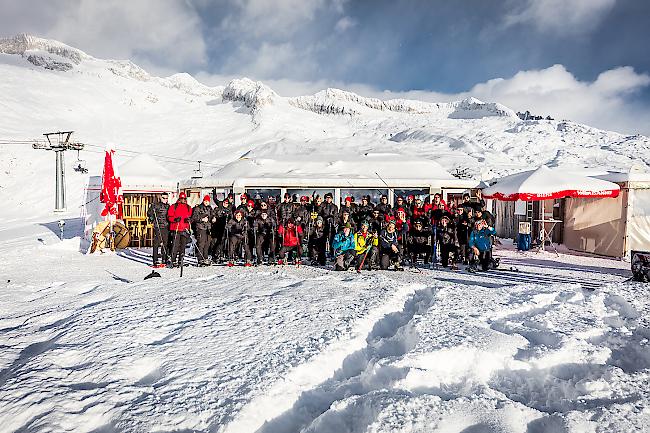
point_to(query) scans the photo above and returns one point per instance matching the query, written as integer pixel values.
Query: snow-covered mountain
(49, 86)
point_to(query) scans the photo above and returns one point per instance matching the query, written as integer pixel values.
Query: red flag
(111, 187)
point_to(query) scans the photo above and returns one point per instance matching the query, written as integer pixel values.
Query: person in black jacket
(285, 210)
(202, 222)
(363, 211)
(463, 229)
(317, 242)
(330, 213)
(446, 234)
(237, 230)
(220, 217)
(419, 242)
(264, 229)
(389, 248)
(376, 220)
(383, 207)
(157, 216)
(301, 213)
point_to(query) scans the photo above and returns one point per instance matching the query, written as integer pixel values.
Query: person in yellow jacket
(366, 245)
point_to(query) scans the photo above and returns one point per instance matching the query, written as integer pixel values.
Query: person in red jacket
(179, 215)
(291, 238)
(419, 210)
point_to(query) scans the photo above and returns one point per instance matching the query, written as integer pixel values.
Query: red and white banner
(111, 193)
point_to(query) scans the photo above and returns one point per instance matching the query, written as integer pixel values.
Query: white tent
(611, 227)
(547, 184)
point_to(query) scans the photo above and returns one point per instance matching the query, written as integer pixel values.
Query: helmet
(182, 195)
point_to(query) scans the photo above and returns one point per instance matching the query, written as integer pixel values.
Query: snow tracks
(526, 358)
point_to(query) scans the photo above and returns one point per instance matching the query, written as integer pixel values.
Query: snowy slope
(49, 86)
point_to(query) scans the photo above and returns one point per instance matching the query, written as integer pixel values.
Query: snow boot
(248, 264)
(280, 262)
(231, 264)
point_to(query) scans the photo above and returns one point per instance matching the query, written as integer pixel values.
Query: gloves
(177, 219)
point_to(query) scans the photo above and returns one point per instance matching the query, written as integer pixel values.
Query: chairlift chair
(80, 165)
(198, 174)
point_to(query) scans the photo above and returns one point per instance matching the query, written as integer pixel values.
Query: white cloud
(607, 102)
(278, 19)
(165, 32)
(344, 24)
(562, 17)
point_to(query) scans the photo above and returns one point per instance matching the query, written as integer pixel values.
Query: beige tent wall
(638, 224)
(507, 223)
(596, 225)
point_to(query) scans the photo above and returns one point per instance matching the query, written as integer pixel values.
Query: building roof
(369, 170)
(141, 173)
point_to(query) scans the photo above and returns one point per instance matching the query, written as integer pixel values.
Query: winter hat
(304, 198)
(320, 220)
(243, 196)
(329, 195)
(347, 226)
(250, 203)
(348, 199)
(365, 223)
(391, 223)
(401, 210)
(411, 197)
(182, 195)
(206, 197)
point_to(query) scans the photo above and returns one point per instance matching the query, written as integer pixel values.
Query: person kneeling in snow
(366, 246)
(344, 248)
(291, 238)
(389, 249)
(480, 244)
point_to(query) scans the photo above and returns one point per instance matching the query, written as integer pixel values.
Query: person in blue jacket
(480, 245)
(344, 248)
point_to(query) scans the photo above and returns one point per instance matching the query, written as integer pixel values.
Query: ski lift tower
(59, 142)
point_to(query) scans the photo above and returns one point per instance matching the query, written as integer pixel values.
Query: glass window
(418, 193)
(263, 193)
(357, 193)
(308, 192)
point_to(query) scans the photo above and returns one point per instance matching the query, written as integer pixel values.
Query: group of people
(360, 235)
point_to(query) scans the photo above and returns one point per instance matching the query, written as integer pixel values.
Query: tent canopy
(546, 184)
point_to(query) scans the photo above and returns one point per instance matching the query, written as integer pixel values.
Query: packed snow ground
(553, 345)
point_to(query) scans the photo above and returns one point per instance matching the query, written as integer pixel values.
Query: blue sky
(587, 60)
